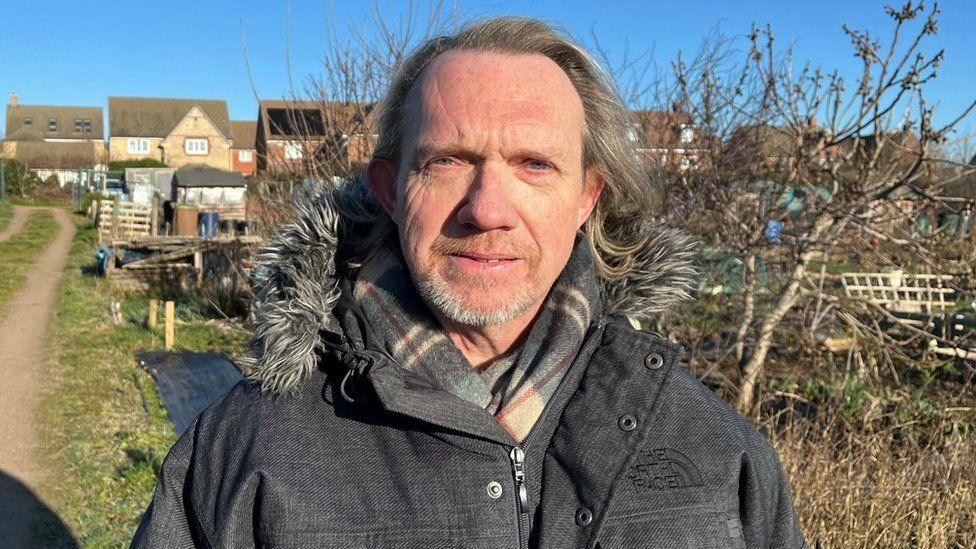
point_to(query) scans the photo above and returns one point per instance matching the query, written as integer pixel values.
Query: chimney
(13, 100)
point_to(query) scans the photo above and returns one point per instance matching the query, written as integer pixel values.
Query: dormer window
(28, 121)
(52, 125)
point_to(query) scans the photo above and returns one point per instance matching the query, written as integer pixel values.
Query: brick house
(54, 140)
(297, 135)
(670, 138)
(176, 132)
(244, 151)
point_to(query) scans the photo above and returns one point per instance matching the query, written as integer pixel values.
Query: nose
(488, 203)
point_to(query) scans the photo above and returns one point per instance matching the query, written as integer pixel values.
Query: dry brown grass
(883, 488)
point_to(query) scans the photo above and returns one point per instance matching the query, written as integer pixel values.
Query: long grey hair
(617, 227)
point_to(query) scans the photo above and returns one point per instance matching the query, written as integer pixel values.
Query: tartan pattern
(515, 387)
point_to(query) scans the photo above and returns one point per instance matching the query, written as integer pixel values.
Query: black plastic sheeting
(189, 381)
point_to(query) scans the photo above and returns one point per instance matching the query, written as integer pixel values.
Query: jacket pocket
(700, 529)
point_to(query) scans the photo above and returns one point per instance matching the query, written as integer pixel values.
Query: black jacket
(334, 445)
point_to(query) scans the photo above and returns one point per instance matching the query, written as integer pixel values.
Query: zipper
(517, 455)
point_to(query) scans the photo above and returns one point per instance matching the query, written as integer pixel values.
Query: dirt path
(16, 223)
(22, 360)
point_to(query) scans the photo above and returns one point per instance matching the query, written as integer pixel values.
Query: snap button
(653, 361)
(627, 422)
(494, 490)
(583, 517)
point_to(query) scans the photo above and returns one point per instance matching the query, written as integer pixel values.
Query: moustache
(484, 243)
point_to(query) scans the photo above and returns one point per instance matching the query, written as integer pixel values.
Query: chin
(469, 310)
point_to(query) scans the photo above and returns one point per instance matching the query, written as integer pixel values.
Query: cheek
(551, 217)
(423, 211)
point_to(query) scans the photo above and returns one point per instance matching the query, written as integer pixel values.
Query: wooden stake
(198, 265)
(170, 321)
(153, 312)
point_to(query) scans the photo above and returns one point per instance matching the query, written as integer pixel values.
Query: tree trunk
(749, 275)
(787, 299)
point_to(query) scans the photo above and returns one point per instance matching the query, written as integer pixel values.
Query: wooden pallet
(901, 292)
(122, 220)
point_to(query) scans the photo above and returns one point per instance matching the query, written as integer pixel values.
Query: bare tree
(804, 165)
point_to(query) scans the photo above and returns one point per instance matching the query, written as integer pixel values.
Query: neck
(482, 345)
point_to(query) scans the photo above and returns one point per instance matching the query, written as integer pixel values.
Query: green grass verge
(58, 202)
(18, 254)
(5, 215)
(104, 428)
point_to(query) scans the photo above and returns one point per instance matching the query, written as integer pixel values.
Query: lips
(482, 257)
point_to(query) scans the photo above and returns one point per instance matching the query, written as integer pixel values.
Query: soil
(22, 362)
(16, 223)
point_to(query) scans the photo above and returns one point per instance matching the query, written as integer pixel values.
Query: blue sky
(82, 52)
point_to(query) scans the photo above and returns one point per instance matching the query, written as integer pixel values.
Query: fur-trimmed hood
(297, 285)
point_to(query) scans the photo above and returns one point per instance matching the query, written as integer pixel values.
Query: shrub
(140, 163)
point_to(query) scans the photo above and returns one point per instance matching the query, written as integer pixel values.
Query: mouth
(481, 257)
(483, 263)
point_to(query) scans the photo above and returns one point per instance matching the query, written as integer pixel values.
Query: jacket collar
(301, 306)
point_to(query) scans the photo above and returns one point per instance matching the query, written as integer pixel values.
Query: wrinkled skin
(489, 192)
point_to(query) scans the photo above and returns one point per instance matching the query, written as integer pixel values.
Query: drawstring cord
(356, 364)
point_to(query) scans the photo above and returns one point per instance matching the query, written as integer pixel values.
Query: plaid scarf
(515, 387)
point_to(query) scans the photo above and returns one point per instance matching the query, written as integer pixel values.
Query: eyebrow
(432, 149)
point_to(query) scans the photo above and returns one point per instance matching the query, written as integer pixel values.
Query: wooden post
(170, 321)
(115, 218)
(153, 312)
(198, 265)
(154, 216)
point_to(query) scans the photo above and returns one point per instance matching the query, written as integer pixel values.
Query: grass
(854, 488)
(104, 426)
(877, 456)
(5, 215)
(51, 201)
(18, 254)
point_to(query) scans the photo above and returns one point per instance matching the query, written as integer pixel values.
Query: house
(669, 138)
(244, 151)
(54, 140)
(176, 132)
(299, 135)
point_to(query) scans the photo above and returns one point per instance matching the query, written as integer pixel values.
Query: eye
(443, 161)
(539, 165)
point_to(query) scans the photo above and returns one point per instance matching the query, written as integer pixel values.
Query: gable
(195, 123)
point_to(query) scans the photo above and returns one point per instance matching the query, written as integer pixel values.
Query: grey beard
(438, 296)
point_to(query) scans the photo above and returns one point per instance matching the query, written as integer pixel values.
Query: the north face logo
(663, 469)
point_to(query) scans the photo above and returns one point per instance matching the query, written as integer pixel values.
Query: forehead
(461, 91)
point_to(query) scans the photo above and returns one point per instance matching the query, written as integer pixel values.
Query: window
(82, 125)
(195, 146)
(52, 125)
(138, 146)
(28, 121)
(686, 134)
(245, 156)
(293, 150)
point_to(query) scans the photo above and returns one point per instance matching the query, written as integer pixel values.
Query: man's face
(490, 190)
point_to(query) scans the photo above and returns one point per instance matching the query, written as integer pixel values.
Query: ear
(381, 176)
(592, 189)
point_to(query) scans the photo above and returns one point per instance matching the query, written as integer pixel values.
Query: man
(442, 353)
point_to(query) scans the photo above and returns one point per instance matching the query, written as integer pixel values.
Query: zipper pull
(518, 467)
